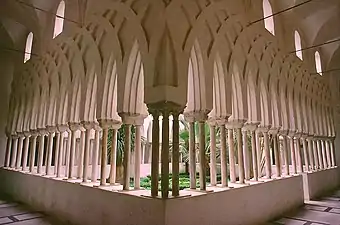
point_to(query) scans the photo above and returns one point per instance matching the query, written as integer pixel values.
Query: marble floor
(322, 211)
(17, 214)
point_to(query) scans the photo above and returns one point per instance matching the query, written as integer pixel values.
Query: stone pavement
(17, 214)
(323, 211)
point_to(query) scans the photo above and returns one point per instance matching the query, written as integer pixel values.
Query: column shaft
(57, 151)
(127, 152)
(61, 153)
(298, 152)
(316, 155)
(224, 169)
(138, 145)
(259, 154)
(323, 152)
(240, 155)
(8, 151)
(165, 156)
(32, 153)
(155, 155)
(305, 153)
(175, 156)
(328, 154)
(320, 155)
(41, 152)
(104, 157)
(254, 155)
(231, 156)
(332, 153)
(202, 172)
(81, 152)
(72, 154)
(86, 155)
(19, 152)
(68, 153)
(49, 153)
(267, 155)
(192, 155)
(246, 155)
(14, 152)
(113, 163)
(293, 155)
(277, 155)
(95, 156)
(311, 154)
(25, 154)
(285, 153)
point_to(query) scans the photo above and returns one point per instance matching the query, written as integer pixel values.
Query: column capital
(132, 119)
(34, 133)
(235, 123)
(27, 133)
(20, 134)
(251, 126)
(196, 116)
(88, 125)
(274, 131)
(42, 131)
(51, 129)
(74, 126)
(263, 129)
(62, 127)
(109, 123)
(15, 136)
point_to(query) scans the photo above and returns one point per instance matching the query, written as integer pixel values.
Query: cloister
(98, 95)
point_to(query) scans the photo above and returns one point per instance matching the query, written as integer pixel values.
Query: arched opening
(298, 45)
(28, 49)
(59, 20)
(268, 22)
(318, 63)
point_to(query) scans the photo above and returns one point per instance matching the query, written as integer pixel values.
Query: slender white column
(155, 154)
(50, 149)
(72, 138)
(25, 152)
(104, 154)
(68, 153)
(202, 158)
(254, 155)
(32, 152)
(332, 152)
(320, 155)
(175, 154)
(95, 155)
(61, 150)
(138, 145)
(224, 169)
(277, 154)
(88, 127)
(328, 153)
(311, 154)
(285, 153)
(231, 156)
(8, 151)
(113, 163)
(14, 151)
(19, 152)
(41, 151)
(240, 155)
(81, 154)
(293, 155)
(246, 155)
(305, 153)
(165, 155)
(298, 154)
(213, 179)
(258, 150)
(323, 153)
(267, 154)
(57, 151)
(127, 152)
(316, 155)
(192, 155)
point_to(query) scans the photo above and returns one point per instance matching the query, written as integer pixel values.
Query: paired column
(232, 163)
(51, 131)
(331, 142)
(320, 155)
(155, 153)
(127, 152)
(254, 153)
(240, 153)
(8, 151)
(311, 155)
(14, 151)
(138, 145)
(25, 151)
(213, 176)
(60, 138)
(105, 128)
(74, 127)
(267, 153)
(19, 151)
(81, 154)
(316, 154)
(42, 133)
(223, 155)
(33, 151)
(192, 154)
(293, 153)
(113, 163)
(88, 127)
(305, 153)
(246, 154)
(276, 150)
(285, 151)
(298, 152)
(95, 155)
(175, 154)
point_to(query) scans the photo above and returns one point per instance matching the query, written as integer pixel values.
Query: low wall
(253, 204)
(316, 184)
(80, 204)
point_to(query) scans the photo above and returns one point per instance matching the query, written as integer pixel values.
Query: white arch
(28, 48)
(269, 22)
(59, 19)
(298, 45)
(318, 63)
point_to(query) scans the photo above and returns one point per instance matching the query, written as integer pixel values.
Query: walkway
(323, 211)
(16, 214)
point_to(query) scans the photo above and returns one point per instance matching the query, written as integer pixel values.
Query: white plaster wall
(80, 204)
(253, 204)
(318, 183)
